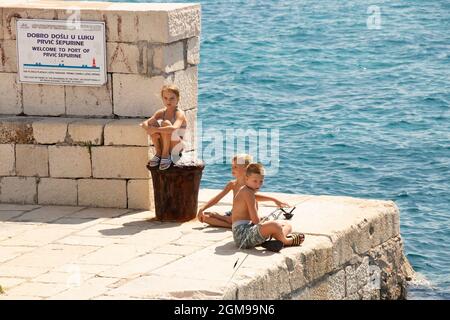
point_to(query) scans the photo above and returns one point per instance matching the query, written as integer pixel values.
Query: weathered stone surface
(18, 190)
(168, 58)
(190, 137)
(11, 93)
(184, 23)
(7, 160)
(1, 24)
(57, 191)
(126, 132)
(140, 194)
(90, 101)
(8, 56)
(87, 131)
(44, 100)
(126, 22)
(47, 214)
(120, 162)
(127, 58)
(102, 193)
(137, 95)
(51, 130)
(16, 130)
(187, 81)
(69, 162)
(193, 50)
(31, 160)
(12, 10)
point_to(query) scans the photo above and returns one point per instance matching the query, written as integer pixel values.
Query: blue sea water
(361, 111)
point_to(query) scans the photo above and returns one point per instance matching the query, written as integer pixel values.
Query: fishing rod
(287, 214)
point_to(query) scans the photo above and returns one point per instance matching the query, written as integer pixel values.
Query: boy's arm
(251, 207)
(218, 197)
(279, 203)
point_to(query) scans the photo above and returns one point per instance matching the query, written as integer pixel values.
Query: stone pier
(353, 250)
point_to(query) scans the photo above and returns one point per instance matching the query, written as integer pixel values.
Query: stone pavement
(61, 252)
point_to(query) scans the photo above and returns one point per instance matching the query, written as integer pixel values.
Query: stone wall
(78, 145)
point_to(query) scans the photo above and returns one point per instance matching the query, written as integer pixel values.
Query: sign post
(61, 53)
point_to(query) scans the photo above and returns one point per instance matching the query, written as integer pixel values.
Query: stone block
(187, 82)
(120, 162)
(1, 25)
(168, 58)
(18, 130)
(184, 23)
(137, 95)
(140, 194)
(157, 23)
(51, 130)
(44, 100)
(7, 160)
(8, 56)
(190, 137)
(31, 160)
(90, 100)
(21, 190)
(21, 11)
(87, 131)
(193, 50)
(126, 132)
(11, 93)
(69, 162)
(336, 285)
(102, 193)
(351, 281)
(127, 58)
(57, 192)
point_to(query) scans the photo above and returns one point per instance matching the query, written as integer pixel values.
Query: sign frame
(102, 43)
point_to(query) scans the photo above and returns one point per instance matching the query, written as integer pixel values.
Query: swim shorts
(247, 235)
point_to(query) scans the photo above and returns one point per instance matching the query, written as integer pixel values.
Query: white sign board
(61, 52)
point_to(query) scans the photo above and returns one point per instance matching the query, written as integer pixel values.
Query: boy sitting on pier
(248, 229)
(238, 169)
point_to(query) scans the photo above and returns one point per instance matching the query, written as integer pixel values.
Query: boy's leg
(219, 216)
(214, 221)
(276, 230)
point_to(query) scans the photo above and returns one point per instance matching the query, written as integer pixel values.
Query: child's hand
(281, 204)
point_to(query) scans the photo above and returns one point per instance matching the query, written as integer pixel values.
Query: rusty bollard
(176, 190)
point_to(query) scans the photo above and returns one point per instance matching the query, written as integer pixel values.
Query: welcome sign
(60, 52)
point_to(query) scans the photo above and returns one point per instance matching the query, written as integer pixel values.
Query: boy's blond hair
(256, 168)
(243, 158)
(172, 88)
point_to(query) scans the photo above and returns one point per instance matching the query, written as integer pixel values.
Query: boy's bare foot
(200, 216)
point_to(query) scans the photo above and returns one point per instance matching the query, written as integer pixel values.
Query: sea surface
(359, 94)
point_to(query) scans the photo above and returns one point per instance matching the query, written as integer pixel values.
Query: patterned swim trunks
(247, 235)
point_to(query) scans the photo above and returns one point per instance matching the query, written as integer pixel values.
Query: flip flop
(297, 238)
(273, 245)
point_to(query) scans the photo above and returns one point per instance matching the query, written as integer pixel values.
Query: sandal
(154, 162)
(297, 238)
(273, 245)
(165, 163)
